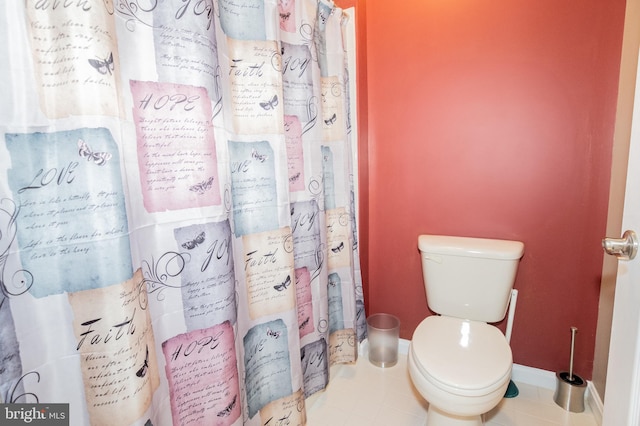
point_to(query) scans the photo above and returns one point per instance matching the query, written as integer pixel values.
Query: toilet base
(437, 417)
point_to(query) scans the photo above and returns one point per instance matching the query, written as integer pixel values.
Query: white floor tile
(363, 394)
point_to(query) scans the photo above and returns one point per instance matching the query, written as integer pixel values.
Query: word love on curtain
(177, 209)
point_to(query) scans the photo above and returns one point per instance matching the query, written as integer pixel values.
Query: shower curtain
(177, 209)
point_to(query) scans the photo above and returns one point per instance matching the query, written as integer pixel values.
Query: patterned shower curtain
(177, 209)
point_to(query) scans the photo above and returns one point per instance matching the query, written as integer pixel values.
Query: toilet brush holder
(569, 386)
(570, 392)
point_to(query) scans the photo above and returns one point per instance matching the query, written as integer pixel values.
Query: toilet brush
(569, 386)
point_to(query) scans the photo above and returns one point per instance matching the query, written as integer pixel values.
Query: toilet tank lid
(470, 247)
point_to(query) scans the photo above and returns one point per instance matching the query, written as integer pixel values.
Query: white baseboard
(594, 401)
(533, 376)
(403, 346)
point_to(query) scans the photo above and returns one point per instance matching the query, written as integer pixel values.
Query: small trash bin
(383, 332)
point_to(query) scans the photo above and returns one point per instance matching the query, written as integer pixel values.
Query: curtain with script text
(178, 238)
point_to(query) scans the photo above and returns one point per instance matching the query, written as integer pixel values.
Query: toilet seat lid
(460, 354)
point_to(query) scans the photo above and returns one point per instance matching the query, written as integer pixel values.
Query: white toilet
(460, 364)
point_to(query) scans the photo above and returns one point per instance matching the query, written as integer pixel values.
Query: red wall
(490, 119)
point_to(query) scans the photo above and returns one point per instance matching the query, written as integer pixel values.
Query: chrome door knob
(624, 248)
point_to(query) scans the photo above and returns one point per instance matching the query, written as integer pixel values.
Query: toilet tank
(469, 278)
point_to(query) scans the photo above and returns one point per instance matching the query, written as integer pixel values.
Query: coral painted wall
(491, 119)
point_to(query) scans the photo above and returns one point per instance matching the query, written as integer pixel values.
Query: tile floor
(366, 395)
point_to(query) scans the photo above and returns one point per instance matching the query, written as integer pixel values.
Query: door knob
(624, 248)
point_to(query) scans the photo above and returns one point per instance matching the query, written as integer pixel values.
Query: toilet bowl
(461, 367)
(457, 361)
